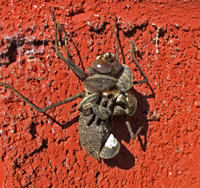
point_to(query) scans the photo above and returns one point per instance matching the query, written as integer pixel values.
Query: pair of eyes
(104, 63)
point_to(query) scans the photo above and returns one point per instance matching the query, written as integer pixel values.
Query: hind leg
(133, 136)
(81, 94)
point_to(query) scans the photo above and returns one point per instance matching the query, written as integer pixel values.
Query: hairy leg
(133, 136)
(78, 72)
(133, 46)
(81, 95)
(117, 43)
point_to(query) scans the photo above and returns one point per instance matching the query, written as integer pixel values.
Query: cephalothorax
(107, 85)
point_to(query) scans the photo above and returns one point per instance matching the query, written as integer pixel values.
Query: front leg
(77, 71)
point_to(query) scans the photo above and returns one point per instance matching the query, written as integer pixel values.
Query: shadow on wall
(125, 159)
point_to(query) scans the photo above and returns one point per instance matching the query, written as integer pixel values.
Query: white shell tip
(111, 142)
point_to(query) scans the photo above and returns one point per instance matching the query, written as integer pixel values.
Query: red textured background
(35, 152)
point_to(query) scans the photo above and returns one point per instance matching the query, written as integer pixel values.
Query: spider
(107, 85)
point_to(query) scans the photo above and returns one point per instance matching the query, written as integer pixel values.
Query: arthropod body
(107, 85)
(107, 94)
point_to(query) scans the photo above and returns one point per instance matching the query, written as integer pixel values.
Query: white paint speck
(11, 4)
(49, 121)
(157, 51)
(49, 102)
(170, 173)
(111, 142)
(35, 6)
(99, 66)
(29, 52)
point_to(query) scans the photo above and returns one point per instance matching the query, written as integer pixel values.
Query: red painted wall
(37, 152)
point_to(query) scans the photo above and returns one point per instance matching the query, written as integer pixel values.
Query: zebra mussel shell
(111, 148)
(125, 80)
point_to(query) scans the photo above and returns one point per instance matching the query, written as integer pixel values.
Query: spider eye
(101, 66)
(105, 62)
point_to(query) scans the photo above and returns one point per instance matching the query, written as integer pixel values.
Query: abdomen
(93, 133)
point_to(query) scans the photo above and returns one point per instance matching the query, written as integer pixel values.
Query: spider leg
(81, 94)
(133, 136)
(129, 127)
(117, 43)
(138, 65)
(78, 72)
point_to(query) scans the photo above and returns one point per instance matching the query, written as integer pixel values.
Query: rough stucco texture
(37, 152)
